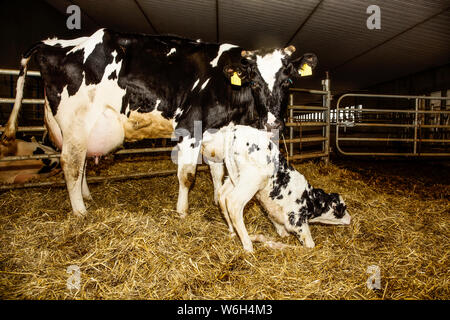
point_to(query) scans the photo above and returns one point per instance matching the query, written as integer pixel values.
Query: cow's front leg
(73, 155)
(188, 154)
(217, 172)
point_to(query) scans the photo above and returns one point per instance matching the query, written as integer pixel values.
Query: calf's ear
(304, 65)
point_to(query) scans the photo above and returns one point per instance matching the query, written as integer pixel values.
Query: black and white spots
(284, 193)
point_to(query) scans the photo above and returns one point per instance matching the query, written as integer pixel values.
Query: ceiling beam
(146, 17)
(304, 22)
(388, 40)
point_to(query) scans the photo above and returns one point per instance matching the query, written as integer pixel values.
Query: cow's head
(275, 72)
(327, 208)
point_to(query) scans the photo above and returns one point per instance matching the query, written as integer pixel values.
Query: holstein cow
(256, 167)
(22, 171)
(110, 87)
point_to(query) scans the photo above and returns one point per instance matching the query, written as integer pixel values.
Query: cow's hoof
(80, 214)
(182, 214)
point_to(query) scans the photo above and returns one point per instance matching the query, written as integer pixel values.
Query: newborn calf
(256, 167)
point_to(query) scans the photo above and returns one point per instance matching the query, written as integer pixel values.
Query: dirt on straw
(133, 245)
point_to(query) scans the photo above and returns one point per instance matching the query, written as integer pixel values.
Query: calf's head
(327, 208)
(275, 70)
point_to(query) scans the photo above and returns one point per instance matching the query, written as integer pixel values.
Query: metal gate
(309, 125)
(410, 130)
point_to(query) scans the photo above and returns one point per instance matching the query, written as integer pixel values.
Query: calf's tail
(9, 135)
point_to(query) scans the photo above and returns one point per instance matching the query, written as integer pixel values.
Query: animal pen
(133, 245)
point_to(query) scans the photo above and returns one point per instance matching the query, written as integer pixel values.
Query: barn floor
(132, 245)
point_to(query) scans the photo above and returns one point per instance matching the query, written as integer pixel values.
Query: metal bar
(367, 95)
(27, 129)
(394, 154)
(416, 103)
(399, 111)
(14, 72)
(24, 101)
(306, 108)
(308, 155)
(327, 101)
(360, 124)
(291, 129)
(57, 155)
(308, 139)
(394, 139)
(97, 179)
(308, 91)
(305, 124)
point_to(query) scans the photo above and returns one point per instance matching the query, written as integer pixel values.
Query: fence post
(327, 104)
(291, 128)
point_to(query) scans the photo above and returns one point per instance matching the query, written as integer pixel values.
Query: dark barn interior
(371, 123)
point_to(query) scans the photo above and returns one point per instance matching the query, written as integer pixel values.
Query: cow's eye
(239, 72)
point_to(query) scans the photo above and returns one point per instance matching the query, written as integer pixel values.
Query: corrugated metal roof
(414, 35)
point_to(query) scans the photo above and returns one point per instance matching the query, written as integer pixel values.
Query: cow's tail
(230, 163)
(9, 135)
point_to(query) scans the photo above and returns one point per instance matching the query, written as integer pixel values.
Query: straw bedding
(133, 245)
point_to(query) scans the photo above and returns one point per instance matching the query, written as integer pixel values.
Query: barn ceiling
(414, 35)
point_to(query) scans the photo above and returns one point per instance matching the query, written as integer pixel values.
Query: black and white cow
(256, 167)
(110, 87)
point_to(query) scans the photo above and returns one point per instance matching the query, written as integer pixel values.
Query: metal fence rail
(416, 124)
(293, 125)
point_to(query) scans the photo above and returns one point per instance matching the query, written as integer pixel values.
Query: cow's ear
(304, 65)
(234, 74)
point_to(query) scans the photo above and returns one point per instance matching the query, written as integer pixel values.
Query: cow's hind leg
(84, 186)
(188, 154)
(73, 155)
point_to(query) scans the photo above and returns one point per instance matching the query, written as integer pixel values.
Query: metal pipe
(24, 101)
(327, 105)
(415, 125)
(394, 139)
(291, 129)
(57, 155)
(305, 124)
(308, 91)
(14, 72)
(97, 179)
(27, 129)
(306, 108)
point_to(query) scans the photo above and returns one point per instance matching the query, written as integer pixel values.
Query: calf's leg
(248, 185)
(217, 171)
(223, 192)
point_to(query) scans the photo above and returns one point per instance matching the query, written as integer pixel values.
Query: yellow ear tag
(305, 70)
(235, 80)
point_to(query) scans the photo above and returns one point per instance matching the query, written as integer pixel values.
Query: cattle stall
(371, 124)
